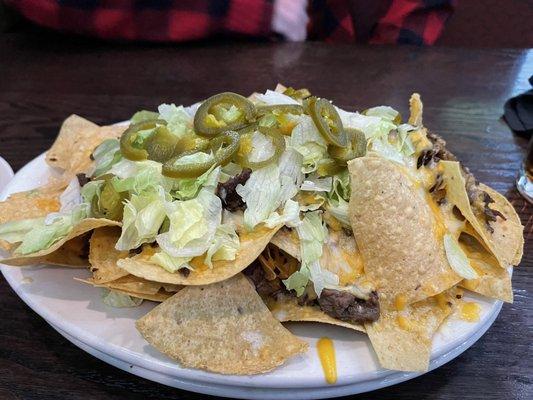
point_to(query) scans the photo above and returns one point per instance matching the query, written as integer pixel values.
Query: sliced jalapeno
(225, 146)
(222, 149)
(280, 109)
(223, 112)
(161, 144)
(356, 147)
(328, 167)
(327, 120)
(297, 93)
(242, 155)
(109, 204)
(130, 135)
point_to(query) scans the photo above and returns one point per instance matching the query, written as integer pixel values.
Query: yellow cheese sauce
(400, 302)
(326, 353)
(469, 311)
(443, 302)
(405, 323)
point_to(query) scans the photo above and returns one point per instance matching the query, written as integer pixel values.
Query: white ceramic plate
(6, 173)
(77, 312)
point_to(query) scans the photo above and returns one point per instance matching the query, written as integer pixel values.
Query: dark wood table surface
(45, 78)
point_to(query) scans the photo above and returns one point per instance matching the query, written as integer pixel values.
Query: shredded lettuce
(338, 198)
(105, 156)
(315, 184)
(307, 140)
(143, 115)
(91, 190)
(271, 98)
(179, 121)
(14, 231)
(269, 188)
(189, 188)
(312, 234)
(262, 148)
(384, 112)
(51, 229)
(261, 193)
(113, 298)
(458, 259)
(143, 215)
(71, 196)
(289, 217)
(171, 264)
(193, 224)
(224, 245)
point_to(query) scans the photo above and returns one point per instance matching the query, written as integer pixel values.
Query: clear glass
(524, 181)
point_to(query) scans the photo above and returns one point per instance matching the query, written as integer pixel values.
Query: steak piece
(231, 200)
(263, 286)
(345, 306)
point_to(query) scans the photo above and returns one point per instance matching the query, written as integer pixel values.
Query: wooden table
(43, 79)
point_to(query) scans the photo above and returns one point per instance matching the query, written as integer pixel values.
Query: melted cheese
(400, 302)
(46, 204)
(439, 227)
(442, 301)
(405, 323)
(326, 353)
(470, 311)
(420, 141)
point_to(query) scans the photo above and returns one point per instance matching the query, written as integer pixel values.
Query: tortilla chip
(288, 241)
(158, 297)
(133, 284)
(493, 281)
(507, 240)
(76, 141)
(83, 226)
(103, 256)
(223, 327)
(26, 205)
(72, 254)
(402, 339)
(510, 232)
(252, 244)
(394, 228)
(286, 308)
(416, 109)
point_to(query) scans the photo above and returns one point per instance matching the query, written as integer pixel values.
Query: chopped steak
(264, 287)
(439, 147)
(479, 199)
(83, 179)
(231, 200)
(346, 307)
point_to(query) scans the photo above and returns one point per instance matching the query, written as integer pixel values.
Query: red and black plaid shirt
(373, 21)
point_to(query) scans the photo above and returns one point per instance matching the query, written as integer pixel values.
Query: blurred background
(460, 23)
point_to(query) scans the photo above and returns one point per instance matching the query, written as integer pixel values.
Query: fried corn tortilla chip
(224, 327)
(72, 254)
(506, 242)
(286, 308)
(76, 141)
(103, 256)
(395, 231)
(82, 227)
(402, 339)
(288, 241)
(30, 204)
(252, 244)
(493, 281)
(416, 109)
(140, 287)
